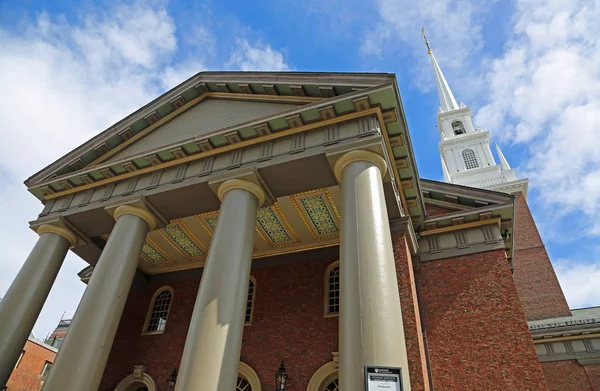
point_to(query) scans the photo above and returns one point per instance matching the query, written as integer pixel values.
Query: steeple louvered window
(470, 159)
(458, 128)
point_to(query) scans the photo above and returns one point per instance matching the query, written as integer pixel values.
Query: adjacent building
(56, 338)
(32, 366)
(243, 219)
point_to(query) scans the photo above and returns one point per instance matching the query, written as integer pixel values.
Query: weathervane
(426, 41)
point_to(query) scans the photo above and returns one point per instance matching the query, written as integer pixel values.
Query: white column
(82, 357)
(212, 349)
(21, 306)
(371, 330)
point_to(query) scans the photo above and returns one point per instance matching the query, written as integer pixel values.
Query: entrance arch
(139, 380)
(324, 379)
(247, 379)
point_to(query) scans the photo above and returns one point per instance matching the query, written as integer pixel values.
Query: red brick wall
(567, 375)
(477, 334)
(538, 287)
(434, 210)
(159, 353)
(413, 334)
(288, 324)
(26, 376)
(593, 375)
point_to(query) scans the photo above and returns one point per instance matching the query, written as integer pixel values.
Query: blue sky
(528, 68)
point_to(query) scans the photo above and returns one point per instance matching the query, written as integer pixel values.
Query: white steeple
(465, 149)
(447, 101)
(447, 176)
(503, 161)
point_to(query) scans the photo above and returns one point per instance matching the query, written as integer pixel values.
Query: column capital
(142, 213)
(356, 156)
(58, 230)
(233, 184)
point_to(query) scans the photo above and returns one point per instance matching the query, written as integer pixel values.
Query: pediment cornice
(324, 100)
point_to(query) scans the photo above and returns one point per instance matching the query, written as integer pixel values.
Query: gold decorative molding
(220, 150)
(356, 156)
(144, 214)
(202, 219)
(61, 231)
(327, 218)
(235, 184)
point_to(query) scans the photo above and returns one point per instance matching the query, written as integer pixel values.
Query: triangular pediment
(216, 112)
(269, 92)
(206, 117)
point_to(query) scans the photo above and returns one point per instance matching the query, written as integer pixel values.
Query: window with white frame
(250, 300)
(470, 159)
(20, 358)
(45, 369)
(158, 314)
(243, 384)
(332, 289)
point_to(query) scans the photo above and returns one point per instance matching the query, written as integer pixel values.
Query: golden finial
(426, 41)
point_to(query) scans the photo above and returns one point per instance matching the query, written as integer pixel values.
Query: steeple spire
(447, 177)
(503, 160)
(447, 101)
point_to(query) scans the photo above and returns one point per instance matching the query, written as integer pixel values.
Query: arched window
(325, 378)
(156, 320)
(243, 384)
(333, 386)
(250, 301)
(332, 289)
(458, 127)
(470, 159)
(247, 379)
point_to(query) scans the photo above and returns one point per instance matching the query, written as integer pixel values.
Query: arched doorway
(333, 385)
(325, 378)
(243, 384)
(139, 380)
(137, 387)
(247, 379)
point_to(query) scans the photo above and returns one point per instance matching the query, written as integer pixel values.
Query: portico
(287, 173)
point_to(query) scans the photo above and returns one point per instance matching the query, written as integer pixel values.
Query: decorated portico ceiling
(298, 222)
(320, 99)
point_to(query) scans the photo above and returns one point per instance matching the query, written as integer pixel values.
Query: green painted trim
(165, 156)
(218, 140)
(247, 132)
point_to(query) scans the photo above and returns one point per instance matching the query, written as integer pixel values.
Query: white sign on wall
(383, 378)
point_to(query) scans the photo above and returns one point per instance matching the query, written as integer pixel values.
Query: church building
(254, 231)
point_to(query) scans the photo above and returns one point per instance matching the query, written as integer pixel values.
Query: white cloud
(62, 83)
(452, 26)
(545, 91)
(173, 75)
(579, 281)
(247, 57)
